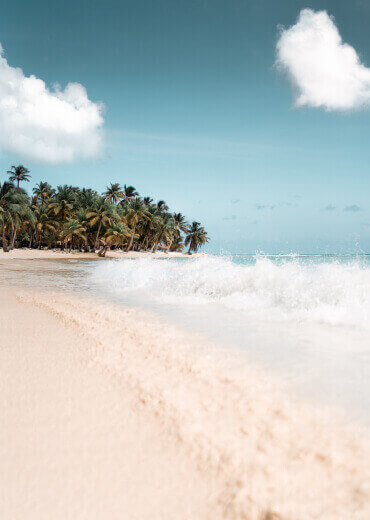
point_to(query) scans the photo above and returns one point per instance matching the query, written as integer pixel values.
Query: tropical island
(73, 218)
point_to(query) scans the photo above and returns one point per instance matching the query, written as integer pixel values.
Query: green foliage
(19, 174)
(195, 237)
(82, 219)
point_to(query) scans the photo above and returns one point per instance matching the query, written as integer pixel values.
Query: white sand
(110, 413)
(38, 254)
(74, 442)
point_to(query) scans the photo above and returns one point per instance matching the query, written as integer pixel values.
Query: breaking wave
(333, 292)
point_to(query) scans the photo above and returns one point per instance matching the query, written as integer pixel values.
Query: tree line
(84, 220)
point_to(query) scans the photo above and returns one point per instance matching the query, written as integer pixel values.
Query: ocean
(304, 317)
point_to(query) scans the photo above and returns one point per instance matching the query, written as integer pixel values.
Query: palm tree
(114, 236)
(177, 245)
(114, 193)
(162, 205)
(14, 204)
(73, 231)
(165, 229)
(180, 225)
(102, 214)
(129, 192)
(135, 213)
(44, 223)
(86, 198)
(180, 222)
(19, 174)
(196, 237)
(43, 192)
(63, 202)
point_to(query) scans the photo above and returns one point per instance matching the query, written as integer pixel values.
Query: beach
(110, 411)
(47, 254)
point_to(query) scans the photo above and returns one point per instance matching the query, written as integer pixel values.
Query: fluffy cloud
(51, 126)
(324, 71)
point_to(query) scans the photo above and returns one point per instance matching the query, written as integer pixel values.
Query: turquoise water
(307, 259)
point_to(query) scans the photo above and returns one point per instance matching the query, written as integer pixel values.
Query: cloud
(233, 217)
(261, 206)
(235, 201)
(51, 126)
(324, 71)
(329, 207)
(353, 208)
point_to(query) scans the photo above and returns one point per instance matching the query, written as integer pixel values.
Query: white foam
(335, 293)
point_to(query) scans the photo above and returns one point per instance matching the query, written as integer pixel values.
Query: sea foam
(331, 292)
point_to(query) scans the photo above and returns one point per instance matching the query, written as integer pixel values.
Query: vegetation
(81, 219)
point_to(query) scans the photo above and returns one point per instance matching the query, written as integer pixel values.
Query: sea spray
(317, 289)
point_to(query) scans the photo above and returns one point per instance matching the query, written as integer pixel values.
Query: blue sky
(197, 113)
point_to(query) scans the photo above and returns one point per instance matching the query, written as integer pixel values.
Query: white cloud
(324, 71)
(52, 126)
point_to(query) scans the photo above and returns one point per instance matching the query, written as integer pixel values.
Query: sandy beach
(184, 260)
(47, 254)
(108, 412)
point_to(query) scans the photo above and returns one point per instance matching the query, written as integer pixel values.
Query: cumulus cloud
(51, 126)
(233, 217)
(353, 208)
(325, 71)
(329, 207)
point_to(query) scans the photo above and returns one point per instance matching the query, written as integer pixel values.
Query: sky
(250, 116)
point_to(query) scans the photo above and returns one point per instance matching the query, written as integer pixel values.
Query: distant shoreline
(39, 254)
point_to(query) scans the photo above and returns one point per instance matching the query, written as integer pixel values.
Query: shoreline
(250, 451)
(39, 254)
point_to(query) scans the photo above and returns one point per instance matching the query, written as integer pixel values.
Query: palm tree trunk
(189, 250)
(5, 242)
(146, 243)
(97, 236)
(131, 240)
(13, 238)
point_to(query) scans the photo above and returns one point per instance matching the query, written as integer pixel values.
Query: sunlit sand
(110, 412)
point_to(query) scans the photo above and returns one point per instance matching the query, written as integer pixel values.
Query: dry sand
(39, 254)
(109, 413)
(74, 442)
